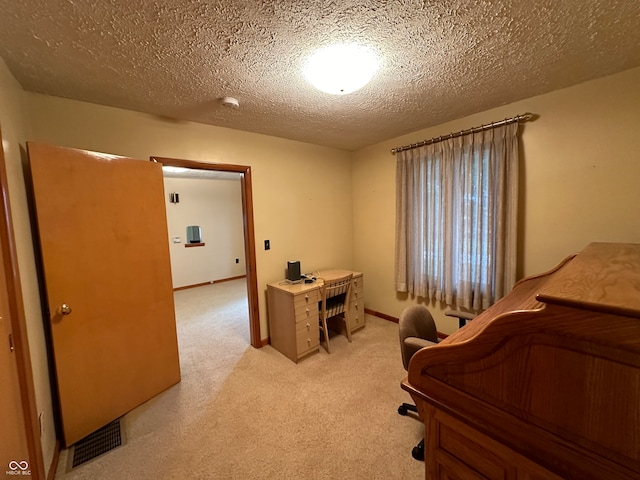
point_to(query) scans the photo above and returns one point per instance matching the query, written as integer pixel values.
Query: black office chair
(417, 330)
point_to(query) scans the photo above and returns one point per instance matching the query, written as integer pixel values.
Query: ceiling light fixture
(342, 68)
(230, 102)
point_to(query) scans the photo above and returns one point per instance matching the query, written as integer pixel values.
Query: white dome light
(342, 68)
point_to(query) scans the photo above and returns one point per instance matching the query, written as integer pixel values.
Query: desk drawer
(312, 297)
(356, 308)
(306, 312)
(357, 288)
(307, 336)
(456, 450)
(356, 314)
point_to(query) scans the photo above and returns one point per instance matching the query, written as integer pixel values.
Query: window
(456, 218)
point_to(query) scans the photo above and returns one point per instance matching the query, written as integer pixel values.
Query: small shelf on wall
(199, 244)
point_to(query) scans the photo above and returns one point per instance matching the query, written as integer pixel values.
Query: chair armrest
(413, 344)
(417, 342)
(461, 314)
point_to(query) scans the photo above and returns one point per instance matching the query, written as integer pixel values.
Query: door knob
(64, 309)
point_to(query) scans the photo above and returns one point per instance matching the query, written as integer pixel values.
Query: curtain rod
(518, 118)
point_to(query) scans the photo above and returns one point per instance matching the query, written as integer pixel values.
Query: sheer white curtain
(456, 218)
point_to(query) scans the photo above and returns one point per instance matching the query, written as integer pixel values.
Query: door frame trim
(247, 223)
(19, 326)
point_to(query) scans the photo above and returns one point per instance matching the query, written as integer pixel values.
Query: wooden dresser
(356, 309)
(293, 313)
(545, 384)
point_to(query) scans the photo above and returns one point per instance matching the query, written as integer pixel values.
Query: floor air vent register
(99, 442)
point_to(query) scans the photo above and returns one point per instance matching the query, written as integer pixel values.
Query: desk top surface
(320, 275)
(604, 277)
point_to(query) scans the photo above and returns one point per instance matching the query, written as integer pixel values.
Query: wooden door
(105, 255)
(14, 452)
(19, 451)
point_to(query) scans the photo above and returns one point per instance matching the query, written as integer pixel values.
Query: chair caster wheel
(402, 410)
(418, 451)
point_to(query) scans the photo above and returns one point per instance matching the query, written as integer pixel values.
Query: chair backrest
(335, 295)
(415, 321)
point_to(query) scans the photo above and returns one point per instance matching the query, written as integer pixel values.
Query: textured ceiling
(441, 59)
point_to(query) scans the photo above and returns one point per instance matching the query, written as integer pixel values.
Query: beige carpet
(245, 413)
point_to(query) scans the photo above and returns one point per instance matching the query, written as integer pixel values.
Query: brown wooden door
(14, 452)
(15, 443)
(105, 255)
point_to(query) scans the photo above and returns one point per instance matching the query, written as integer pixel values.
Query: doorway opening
(248, 230)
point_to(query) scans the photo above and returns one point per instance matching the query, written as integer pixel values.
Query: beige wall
(14, 125)
(297, 190)
(301, 192)
(215, 205)
(580, 174)
(580, 169)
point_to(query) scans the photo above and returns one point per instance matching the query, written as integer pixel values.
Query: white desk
(293, 313)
